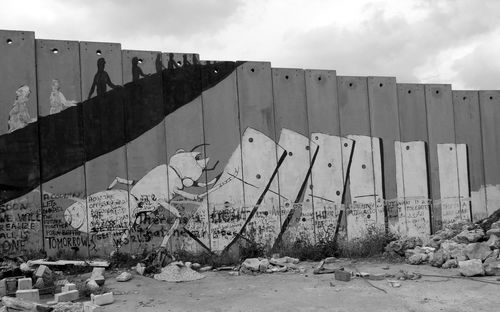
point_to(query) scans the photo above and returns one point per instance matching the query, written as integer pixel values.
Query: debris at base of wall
(140, 268)
(472, 267)
(124, 277)
(14, 304)
(68, 307)
(195, 266)
(273, 265)
(394, 284)
(206, 268)
(454, 244)
(178, 272)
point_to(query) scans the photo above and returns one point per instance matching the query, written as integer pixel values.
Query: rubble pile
(472, 248)
(271, 265)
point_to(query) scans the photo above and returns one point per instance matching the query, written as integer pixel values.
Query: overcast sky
(431, 41)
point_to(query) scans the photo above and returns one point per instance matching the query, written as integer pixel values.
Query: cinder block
(24, 283)
(88, 306)
(103, 299)
(68, 287)
(3, 287)
(28, 295)
(67, 296)
(342, 276)
(44, 272)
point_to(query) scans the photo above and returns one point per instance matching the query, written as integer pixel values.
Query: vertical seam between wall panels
(125, 146)
(310, 159)
(344, 174)
(482, 152)
(311, 181)
(240, 138)
(276, 145)
(82, 119)
(456, 155)
(429, 169)
(402, 169)
(205, 153)
(371, 152)
(39, 138)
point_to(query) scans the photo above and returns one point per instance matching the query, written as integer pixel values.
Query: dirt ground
(219, 291)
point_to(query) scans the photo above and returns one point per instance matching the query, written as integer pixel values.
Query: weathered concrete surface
(307, 292)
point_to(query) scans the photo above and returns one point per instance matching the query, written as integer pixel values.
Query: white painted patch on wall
(413, 217)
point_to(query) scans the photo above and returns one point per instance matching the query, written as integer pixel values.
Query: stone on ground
(103, 299)
(478, 251)
(469, 236)
(124, 277)
(66, 296)
(28, 295)
(252, 264)
(471, 267)
(452, 263)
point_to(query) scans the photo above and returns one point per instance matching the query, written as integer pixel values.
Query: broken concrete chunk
(206, 268)
(24, 283)
(16, 304)
(44, 272)
(92, 285)
(25, 268)
(494, 242)
(124, 277)
(479, 251)
(39, 284)
(264, 264)
(88, 306)
(140, 268)
(252, 264)
(394, 284)
(68, 287)
(28, 295)
(67, 296)
(471, 267)
(452, 263)
(469, 236)
(103, 299)
(3, 287)
(492, 267)
(343, 276)
(195, 266)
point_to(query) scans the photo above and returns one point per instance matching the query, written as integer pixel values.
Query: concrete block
(24, 283)
(44, 272)
(342, 276)
(103, 299)
(28, 295)
(3, 287)
(68, 287)
(67, 296)
(88, 306)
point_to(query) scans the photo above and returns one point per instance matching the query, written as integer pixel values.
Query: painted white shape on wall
(226, 212)
(292, 174)
(367, 207)
(328, 178)
(412, 189)
(260, 154)
(449, 177)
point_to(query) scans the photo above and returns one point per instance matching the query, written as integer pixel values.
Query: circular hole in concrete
(329, 165)
(252, 70)
(290, 153)
(363, 166)
(381, 85)
(286, 77)
(9, 41)
(258, 176)
(337, 192)
(54, 51)
(409, 91)
(98, 52)
(250, 140)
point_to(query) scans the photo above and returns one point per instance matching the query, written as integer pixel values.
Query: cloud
(443, 41)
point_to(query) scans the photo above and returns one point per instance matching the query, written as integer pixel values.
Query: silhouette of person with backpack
(101, 79)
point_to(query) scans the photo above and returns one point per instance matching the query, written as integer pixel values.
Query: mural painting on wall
(154, 208)
(58, 101)
(19, 116)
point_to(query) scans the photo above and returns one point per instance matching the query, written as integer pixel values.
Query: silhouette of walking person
(185, 61)
(171, 62)
(101, 79)
(136, 70)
